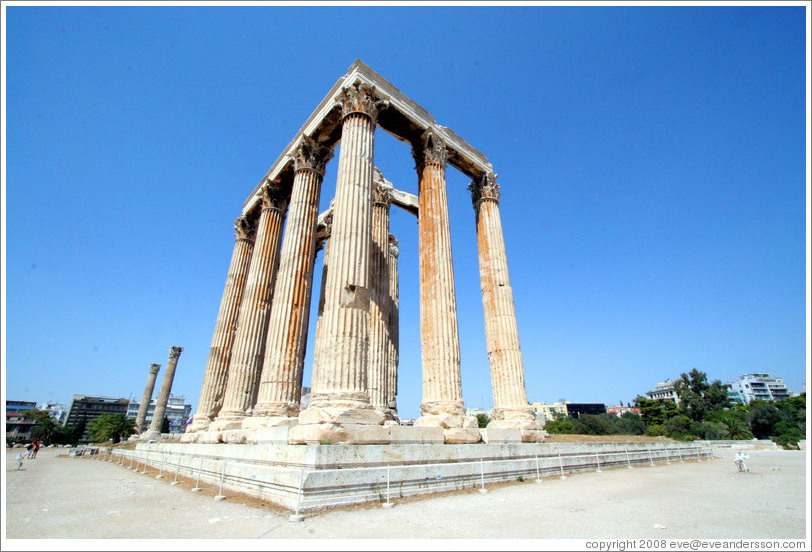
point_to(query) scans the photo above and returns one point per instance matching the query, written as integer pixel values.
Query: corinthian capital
(432, 149)
(273, 197)
(174, 352)
(153, 368)
(381, 191)
(361, 98)
(310, 155)
(484, 188)
(245, 228)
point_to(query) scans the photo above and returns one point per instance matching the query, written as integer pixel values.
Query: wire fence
(302, 488)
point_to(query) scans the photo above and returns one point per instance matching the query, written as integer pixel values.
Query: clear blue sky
(652, 162)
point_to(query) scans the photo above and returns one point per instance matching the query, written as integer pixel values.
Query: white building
(759, 386)
(57, 411)
(177, 411)
(664, 391)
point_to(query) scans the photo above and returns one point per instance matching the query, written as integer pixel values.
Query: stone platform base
(311, 477)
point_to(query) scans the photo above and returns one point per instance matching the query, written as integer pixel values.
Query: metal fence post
(297, 516)
(388, 504)
(651, 457)
(161, 469)
(598, 461)
(482, 488)
(144, 467)
(561, 465)
(177, 469)
(628, 460)
(220, 495)
(197, 482)
(538, 473)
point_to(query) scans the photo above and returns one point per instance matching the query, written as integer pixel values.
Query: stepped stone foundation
(253, 380)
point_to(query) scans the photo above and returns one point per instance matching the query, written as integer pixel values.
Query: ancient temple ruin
(253, 379)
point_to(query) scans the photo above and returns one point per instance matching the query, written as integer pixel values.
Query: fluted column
(325, 267)
(393, 346)
(510, 408)
(143, 407)
(377, 370)
(339, 387)
(281, 382)
(216, 375)
(442, 389)
(154, 431)
(252, 323)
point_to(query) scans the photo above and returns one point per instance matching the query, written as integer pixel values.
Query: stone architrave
(252, 324)
(216, 375)
(379, 304)
(154, 431)
(280, 387)
(393, 347)
(442, 389)
(339, 395)
(143, 407)
(510, 408)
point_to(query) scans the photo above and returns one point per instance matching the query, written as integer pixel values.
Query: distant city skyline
(652, 161)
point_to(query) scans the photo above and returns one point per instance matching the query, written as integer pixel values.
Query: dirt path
(60, 498)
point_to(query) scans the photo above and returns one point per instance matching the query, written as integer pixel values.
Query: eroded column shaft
(393, 346)
(379, 305)
(442, 391)
(344, 336)
(146, 398)
(163, 395)
(281, 383)
(252, 324)
(216, 375)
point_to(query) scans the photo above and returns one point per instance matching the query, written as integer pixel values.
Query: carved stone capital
(245, 228)
(394, 246)
(432, 150)
(310, 155)
(273, 197)
(154, 368)
(484, 188)
(361, 98)
(174, 352)
(381, 192)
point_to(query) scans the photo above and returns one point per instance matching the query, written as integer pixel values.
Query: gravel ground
(74, 498)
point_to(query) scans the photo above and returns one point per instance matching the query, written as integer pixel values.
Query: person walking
(36, 447)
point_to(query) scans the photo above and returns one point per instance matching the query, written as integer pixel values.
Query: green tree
(566, 425)
(115, 426)
(763, 415)
(46, 428)
(698, 397)
(656, 412)
(482, 420)
(679, 427)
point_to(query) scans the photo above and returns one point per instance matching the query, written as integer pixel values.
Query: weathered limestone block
(497, 435)
(345, 433)
(416, 434)
(461, 435)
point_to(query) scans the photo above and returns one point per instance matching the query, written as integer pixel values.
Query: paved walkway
(73, 498)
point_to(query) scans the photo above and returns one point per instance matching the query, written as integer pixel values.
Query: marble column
(280, 387)
(393, 345)
(252, 322)
(325, 243)
(154, 431)
(510, 407)
(339, 400)
(442, 389)
(216, 375)
(377, 370)
(143, 406)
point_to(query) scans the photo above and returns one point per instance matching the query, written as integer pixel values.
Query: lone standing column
(143, 407)
(281, 382)
(154, 431)
(442, 389)
(394, 329)
(339, 400)
(252, 324)
(377, 372)
(216, 375)
(510, 408)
